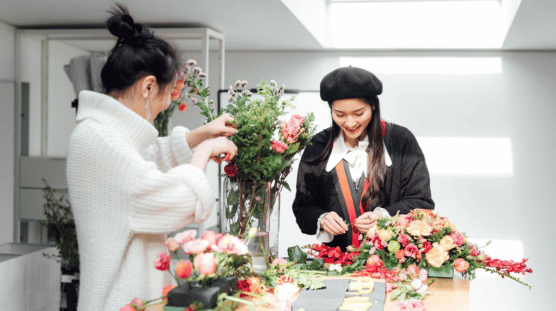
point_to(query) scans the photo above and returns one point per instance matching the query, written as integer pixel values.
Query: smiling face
(352, 115)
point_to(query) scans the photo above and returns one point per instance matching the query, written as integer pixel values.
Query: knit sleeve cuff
(180, 148)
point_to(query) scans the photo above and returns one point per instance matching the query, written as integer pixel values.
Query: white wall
(7, 119)
(514, 208)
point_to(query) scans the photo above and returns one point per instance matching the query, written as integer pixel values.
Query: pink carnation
(186, 236)
(162, 262)
(195, 246)
(411, 305)
(205, 263)
(458, 238)
(474, 252)
(403, 239)
(290, 129)
(411, 250)
(279, 146)
(172, 244)
(237, 246)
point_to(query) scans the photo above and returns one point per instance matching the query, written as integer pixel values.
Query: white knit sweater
(128, 189)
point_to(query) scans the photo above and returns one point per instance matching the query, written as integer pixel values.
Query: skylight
(416, 24)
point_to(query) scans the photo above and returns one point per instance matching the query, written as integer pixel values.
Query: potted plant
(61, 231)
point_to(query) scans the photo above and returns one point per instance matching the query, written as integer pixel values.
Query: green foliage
(61, 228)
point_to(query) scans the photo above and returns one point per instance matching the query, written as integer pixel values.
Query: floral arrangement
(266, 147)
(405, 249)
(191, 79)
(215, 256)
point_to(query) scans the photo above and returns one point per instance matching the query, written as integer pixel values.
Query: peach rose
(371, 232)
(448, 242)
(205, 263)
(461, 265)
(437, 255)
(384, 234)
(413, 270)
(209, 236)
(183, 269)
(419, 228)
(449, 224)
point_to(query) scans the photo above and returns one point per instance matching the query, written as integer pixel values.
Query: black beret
(349, 82)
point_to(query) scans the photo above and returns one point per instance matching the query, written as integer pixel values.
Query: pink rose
(172, 244)
(205, 263)
(390, 287)
(195, 246)
(411, 250)
(461, 265)
(209, 236)
(413, 270)
(279, 146)
(186, 236)
(458, 238)
(403, 239)
(133, 305)
(162, 262)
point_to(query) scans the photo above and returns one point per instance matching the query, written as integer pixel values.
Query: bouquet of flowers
(213, 258)
(266, 145)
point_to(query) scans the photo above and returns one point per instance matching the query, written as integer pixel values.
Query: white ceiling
(247, 24)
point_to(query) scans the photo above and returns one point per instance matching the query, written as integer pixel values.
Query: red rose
(230, 169)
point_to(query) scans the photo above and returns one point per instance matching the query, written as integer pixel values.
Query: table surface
(445, 294)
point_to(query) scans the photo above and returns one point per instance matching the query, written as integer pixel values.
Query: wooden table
(445, 294)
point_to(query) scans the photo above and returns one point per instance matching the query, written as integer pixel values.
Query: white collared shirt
(357, 162)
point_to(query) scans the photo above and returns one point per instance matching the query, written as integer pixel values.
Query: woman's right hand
(212, 148)
(333, 224)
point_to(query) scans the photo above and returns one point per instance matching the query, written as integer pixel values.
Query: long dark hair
(138, 52)
(376, 166)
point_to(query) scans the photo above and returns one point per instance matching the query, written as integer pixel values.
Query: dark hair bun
(121, 25)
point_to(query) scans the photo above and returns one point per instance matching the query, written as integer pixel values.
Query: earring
(148, 108)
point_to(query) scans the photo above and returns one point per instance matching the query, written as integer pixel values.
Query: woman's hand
(211, 149)
(333, 224)
(364, 222)
(219, 127)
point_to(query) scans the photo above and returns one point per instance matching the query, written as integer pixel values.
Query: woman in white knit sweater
(129, 188)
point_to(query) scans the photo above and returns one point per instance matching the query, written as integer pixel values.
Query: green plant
(61, 228)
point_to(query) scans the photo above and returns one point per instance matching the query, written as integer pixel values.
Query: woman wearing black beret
(359, 170)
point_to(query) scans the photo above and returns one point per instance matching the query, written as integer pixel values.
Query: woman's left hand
(221, 126)
(364, 222)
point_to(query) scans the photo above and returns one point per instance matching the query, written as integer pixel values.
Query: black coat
(407, 181)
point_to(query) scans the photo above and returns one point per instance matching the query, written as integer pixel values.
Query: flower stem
(265, 255)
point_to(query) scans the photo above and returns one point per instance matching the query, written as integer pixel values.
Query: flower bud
(252, 232)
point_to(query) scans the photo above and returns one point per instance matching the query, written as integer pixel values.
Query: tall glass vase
(253, 205)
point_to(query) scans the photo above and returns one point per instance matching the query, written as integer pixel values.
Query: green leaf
(232, 198)
(287, 186)
(296, 255)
